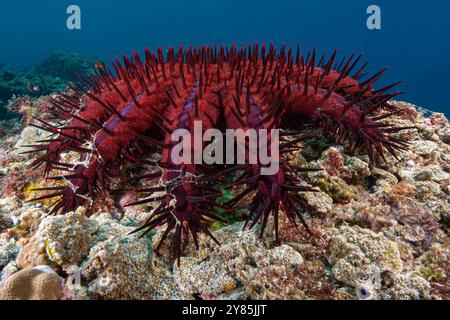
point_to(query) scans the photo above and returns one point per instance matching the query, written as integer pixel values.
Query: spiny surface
(122, 116)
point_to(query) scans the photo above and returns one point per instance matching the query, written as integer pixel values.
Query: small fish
(32, 88)
(99, 65)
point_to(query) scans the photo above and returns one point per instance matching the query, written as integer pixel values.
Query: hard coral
(39, 283)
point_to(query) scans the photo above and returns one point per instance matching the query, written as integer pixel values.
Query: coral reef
(64, 65)
(122, 268)
(63, 240)
(388, 240)
(49, 76)
(244, 267)
(365, 260)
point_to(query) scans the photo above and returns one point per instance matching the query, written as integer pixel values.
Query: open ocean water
(413, 40)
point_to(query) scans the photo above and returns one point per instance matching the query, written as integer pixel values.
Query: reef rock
(29, 136)
(65, 239)
(5, 222)
(242, 267)
(121, 268)
(380, 232)
(8, 251)
(363, 259)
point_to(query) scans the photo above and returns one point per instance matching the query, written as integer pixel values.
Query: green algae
(336, 188)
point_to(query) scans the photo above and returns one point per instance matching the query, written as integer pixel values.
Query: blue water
(413, 42)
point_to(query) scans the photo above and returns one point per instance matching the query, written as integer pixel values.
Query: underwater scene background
(412, 40)
(95, 204)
